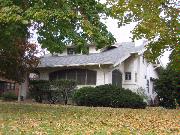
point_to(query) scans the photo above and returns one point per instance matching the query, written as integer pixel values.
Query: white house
(121, 64)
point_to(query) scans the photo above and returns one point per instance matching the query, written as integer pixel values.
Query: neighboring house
(8, 86)
(122, 65)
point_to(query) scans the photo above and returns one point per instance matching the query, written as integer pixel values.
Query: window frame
(86, 76)
(6, 86)
(71, 51)
(128, 76)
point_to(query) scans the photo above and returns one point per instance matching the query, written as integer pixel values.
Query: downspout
(103, 72)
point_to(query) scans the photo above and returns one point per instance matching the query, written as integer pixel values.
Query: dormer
(71, 50)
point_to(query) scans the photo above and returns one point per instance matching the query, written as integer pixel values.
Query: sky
(122, 34)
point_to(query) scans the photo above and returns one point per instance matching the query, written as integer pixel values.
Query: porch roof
(109, 57)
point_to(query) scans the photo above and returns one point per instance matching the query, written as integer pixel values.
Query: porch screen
(82, 76)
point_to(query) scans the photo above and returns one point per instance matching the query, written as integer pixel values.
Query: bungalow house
(121, 64)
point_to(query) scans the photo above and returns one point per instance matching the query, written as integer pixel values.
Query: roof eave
(121, 60)
(76, 65)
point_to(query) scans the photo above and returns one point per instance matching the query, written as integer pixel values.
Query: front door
(117, 78)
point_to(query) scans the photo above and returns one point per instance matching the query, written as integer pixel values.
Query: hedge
(108, 96)
(9, 96)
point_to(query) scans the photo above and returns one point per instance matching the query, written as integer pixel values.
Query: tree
(157, 21)
(64, 88)
(58, 23)
(166, 87)
(17, 60)
(17, 55)
(62, 22)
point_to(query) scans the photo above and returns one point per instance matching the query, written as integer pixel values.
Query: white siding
(145, 72)
(104, 76)
(92, 49)
(130, 65)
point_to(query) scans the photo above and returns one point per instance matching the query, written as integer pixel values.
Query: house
(121, 64)
(8, 86)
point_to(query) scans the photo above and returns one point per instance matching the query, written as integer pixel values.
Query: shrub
(9, 96)
(108, 96)
(141, 92)
(128, 99)
(64, 88)
(51, 91)
(166, 87)
(38, 88)
(86, 96)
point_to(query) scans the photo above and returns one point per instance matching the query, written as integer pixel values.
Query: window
(12, 86)
(128, 76)
(71, 75)
(91, 77)
(6, 86)
(52, 75)
(82, 76)
(71, 51)
(148, 85)
(2, 86)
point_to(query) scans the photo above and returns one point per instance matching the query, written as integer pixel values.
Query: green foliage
(156, 20)
(167, 87)
(9, 96)
(58, 23)
(38, 88)
(63, 22)
(108, 96)
(64, 88)
(52, 91)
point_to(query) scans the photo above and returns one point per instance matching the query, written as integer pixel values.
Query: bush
(141, 92)
(108, 96)
(166, 87)
(52, 91)
(128, 99)
(9, 96)
(64, 88)
(38, 88)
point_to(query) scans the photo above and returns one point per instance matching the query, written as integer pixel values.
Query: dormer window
(71, 51)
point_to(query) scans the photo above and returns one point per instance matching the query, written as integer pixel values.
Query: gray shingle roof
(107, 57)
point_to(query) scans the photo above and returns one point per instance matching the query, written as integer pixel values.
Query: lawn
(43, 119)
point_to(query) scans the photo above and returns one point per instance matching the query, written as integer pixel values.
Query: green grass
(32, 119)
